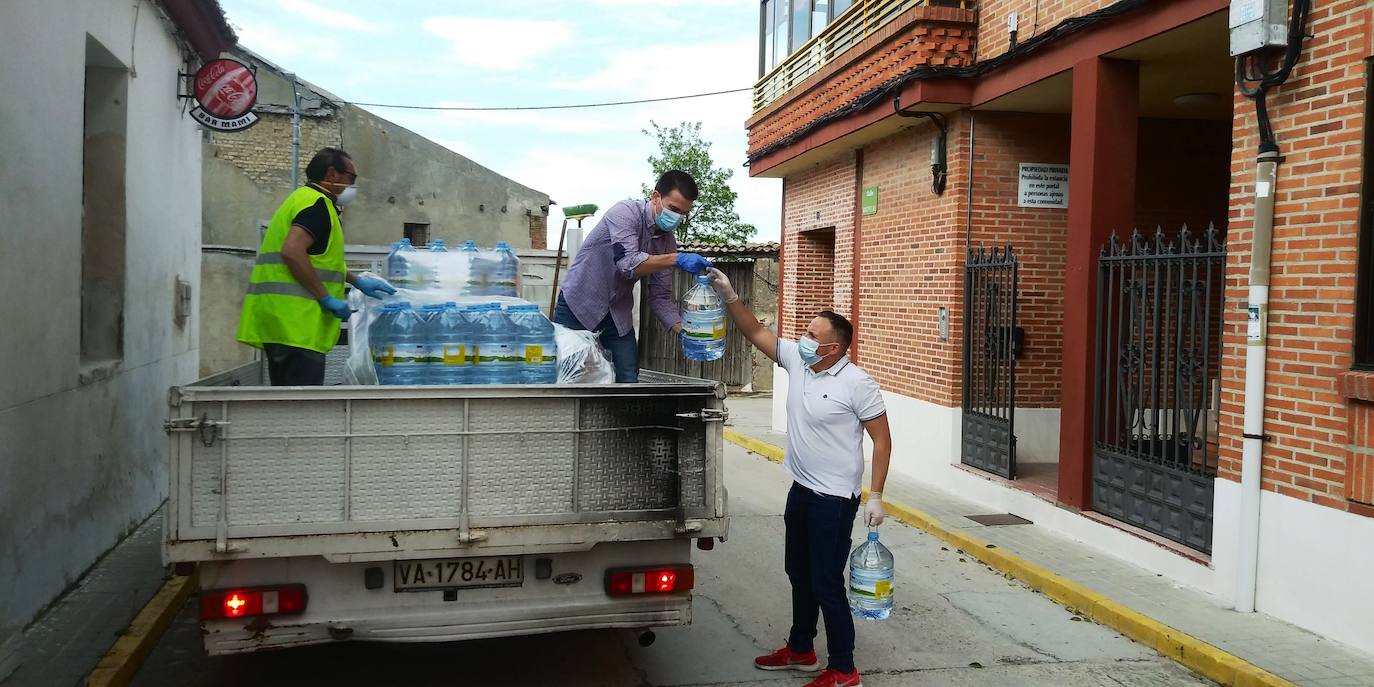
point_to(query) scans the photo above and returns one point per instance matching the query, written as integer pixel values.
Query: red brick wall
(1182, 174)
(1002, 141)
(819, 199)
(1318, 117)
(539, 231)
(912, 263)
(1034, 17)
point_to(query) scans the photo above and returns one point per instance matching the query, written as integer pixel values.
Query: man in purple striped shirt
(633, 241)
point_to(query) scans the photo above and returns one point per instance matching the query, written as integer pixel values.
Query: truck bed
(360, 473)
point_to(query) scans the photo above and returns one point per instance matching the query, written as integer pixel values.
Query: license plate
(450, 573)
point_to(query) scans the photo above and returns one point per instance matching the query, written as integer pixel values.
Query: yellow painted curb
(1206, 659)
(118, 665)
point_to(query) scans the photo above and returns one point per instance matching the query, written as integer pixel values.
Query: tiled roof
(753, 250)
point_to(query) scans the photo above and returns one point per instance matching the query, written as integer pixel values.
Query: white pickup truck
(419, 514)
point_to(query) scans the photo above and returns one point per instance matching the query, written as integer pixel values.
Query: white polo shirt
(825, 415)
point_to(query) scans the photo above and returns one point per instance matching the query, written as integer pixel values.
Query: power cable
(526, 108)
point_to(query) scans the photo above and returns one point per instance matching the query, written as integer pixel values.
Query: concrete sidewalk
(1285, 650)
(67, 641)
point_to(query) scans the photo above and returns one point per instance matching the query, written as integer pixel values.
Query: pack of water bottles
(467, 271)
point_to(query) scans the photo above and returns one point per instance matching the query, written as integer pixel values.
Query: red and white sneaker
(787, 659)
(834, 678)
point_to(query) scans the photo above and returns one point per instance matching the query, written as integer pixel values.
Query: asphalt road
(957, 622)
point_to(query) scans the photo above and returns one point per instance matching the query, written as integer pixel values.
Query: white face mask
(346, 196)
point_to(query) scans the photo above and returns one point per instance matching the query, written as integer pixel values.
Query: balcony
(869, 43)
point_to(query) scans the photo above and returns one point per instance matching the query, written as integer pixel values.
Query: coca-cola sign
(225, 91)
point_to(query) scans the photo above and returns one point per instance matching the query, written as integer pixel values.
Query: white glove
(873, 512)
(722, 285)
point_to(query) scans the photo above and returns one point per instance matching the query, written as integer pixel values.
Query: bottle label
(707, 325)
(392, 355)
(535, 355)
(879, 589)
(494, 353)
(453, 354)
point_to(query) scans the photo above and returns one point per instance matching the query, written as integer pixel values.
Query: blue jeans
(817, 547)
(624, 350)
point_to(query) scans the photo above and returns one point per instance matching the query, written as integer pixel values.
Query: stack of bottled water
(463, 273)
(446, 344)
(870, 579)
(703, 322)
(447, 325)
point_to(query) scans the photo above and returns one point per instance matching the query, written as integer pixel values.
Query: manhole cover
(999, 519)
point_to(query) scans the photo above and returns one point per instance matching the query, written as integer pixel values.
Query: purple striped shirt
(601, 279)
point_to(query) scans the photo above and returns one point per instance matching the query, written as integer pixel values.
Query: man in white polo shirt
(830, 404)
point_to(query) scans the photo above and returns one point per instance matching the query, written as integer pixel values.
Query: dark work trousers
(817, 549)
(291, 366)
(624, 349)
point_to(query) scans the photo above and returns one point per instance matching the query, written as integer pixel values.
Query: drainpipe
(295, 131)
(1256, 353)
(1257, 310)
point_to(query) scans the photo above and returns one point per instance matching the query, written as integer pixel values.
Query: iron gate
(991, 342)
(1159, 305)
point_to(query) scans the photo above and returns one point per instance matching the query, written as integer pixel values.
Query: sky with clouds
(535, 52)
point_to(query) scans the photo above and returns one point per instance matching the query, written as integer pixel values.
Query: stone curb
(117, 667)
(1197, 655)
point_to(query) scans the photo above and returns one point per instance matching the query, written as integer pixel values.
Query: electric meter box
(1258, 25)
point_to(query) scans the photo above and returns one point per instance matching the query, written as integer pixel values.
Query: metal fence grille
(990, 347)
(1158, 354)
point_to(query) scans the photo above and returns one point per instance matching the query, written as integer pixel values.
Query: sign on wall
(225, 91)
(1043, 186)
(870, 200)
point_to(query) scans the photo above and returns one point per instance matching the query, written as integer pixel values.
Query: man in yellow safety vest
(295, 297)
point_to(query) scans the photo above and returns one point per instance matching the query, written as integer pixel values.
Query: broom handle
(557, 263)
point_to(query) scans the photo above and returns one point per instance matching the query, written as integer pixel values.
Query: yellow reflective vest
(277, 309)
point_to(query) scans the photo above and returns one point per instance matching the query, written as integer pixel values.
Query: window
(767, 59)
(785, 25)
(417, 232)
(103, 217)
(1364, 295)
(780, 50)
(801, 23)
(820, 16)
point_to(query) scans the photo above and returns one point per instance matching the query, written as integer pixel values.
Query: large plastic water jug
(437, 246)
(451, 345)
(473, 283)
(703, 322)
(538, 344)
(870, 579)
(498, 346)
(429, 335)
(398, 268)
(398, 346)
(504, 278)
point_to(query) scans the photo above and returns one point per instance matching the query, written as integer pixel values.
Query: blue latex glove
(371, 286)
(335, 307)
(693, 263)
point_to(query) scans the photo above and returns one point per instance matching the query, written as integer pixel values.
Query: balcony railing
(860, 21)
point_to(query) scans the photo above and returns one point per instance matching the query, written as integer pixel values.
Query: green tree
(713, 218)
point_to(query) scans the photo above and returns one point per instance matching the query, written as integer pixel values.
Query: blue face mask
(806, 347)
(668, 220)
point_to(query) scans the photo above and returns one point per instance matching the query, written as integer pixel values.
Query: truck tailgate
(374, 472)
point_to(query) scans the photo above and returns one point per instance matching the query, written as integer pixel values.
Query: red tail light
(657, 580)
(223, 604)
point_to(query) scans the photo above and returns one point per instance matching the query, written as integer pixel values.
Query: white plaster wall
(82, 461)
(1316, 566)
